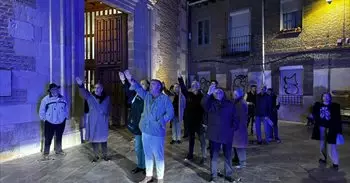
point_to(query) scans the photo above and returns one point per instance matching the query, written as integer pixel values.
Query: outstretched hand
(128, 75)
(79, 81)
(211, 89)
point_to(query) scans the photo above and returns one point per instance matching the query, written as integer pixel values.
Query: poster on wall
(291, 80)
(204, 80)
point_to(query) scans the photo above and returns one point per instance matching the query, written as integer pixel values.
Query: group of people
(211, 115)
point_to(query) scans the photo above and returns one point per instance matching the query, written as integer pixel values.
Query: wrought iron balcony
(236, 46)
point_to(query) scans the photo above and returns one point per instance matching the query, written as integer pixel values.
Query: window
(291, 14)
(239, 39)
(203, 32)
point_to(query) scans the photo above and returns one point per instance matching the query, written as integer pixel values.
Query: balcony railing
(236, 46)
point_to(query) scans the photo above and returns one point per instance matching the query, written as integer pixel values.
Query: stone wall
(40, 45)
(169, 40)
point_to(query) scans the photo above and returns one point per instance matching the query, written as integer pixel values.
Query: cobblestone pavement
(294, 160)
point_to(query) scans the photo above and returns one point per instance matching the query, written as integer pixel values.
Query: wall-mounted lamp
(329, 1)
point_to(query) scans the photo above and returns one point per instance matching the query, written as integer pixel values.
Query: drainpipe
(263, 37)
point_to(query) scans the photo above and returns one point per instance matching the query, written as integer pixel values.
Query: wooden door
(111, 56)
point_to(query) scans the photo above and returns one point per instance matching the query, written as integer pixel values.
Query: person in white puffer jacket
(54, 112)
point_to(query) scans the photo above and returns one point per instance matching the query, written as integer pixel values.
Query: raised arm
(83, 91)
(126, 86)
(207, 100)
(135, 85)
(182, 86)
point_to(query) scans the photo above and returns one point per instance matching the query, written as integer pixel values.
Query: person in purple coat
(220, 125)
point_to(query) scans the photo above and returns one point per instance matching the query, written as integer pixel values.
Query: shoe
(213, 180)
(335, 167)
(178, 142)
(106, 158)
(203, 160)
(220, 174)
(95, 159)
(172, 142)
(322, 161)
(189, 158)
(45, 157)
(146, 180)
(259, 142)
(278, 140)
(160, 180)
(137, 170)
(230, 179)
(61, 153)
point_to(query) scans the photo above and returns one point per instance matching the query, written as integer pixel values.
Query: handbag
(340, 139)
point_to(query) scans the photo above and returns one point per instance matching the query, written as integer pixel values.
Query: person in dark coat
(274, 115)
(193, 117)
(263, 110)
(221, 125)
(136, 108)
(251, 101)
(327, 127)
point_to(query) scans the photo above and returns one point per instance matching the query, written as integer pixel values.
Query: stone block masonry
(169, 28)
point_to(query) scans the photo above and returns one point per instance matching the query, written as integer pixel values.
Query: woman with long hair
(327, 128)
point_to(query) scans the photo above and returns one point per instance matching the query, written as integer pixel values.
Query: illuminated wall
(322, 25)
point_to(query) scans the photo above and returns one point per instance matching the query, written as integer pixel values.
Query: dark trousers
(50, 130)
(214, 154)
(185, 128)
(192, 139)
(251, 117)
(274, 131)
(96, 148)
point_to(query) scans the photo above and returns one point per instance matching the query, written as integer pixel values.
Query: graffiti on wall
(240, 81)
(291, 86)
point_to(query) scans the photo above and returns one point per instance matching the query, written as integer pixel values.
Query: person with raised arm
(193, 117)
(97, 127)
(157, 111)
(221, 125)
(136, 109)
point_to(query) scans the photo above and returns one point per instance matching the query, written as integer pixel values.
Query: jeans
(214, 154)
(96, 148)
(139, 152)
(50, 130)
(192, 138)
(153, 147)
(176, 128)
(258, 121)
(274, 131)
(242, 156)
(325, 147)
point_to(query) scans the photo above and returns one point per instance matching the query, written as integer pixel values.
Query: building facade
(306, 48)
(45, 41)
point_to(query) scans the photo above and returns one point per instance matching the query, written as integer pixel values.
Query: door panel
(111, 57)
